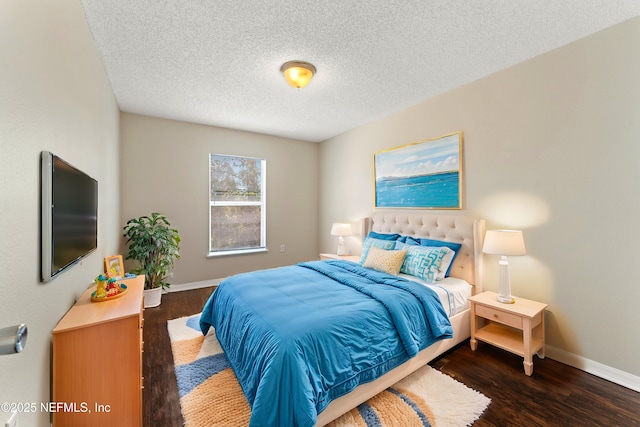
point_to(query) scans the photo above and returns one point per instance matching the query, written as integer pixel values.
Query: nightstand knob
(495, 315)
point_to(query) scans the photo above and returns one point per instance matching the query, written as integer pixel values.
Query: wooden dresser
(97, 361)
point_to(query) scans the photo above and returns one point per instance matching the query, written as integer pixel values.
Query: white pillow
(446, 261)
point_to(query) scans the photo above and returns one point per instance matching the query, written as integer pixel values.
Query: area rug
(210, 394)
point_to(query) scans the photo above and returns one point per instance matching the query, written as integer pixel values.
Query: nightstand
(352, 258)
(517, 327)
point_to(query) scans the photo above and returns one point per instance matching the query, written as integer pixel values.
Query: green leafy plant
(154, 245)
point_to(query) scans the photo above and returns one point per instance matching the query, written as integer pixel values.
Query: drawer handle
(496, 316)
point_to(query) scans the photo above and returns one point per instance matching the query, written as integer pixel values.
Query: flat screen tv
(69, 217)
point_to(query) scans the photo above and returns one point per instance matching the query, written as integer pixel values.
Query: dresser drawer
(499, 316)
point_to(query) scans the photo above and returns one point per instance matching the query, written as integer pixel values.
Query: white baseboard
(195, 285)
(608, 373)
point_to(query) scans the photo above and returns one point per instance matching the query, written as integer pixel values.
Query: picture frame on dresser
(426, 174)
(114, 266)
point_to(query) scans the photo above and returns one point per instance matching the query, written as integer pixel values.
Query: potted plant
(155, 246)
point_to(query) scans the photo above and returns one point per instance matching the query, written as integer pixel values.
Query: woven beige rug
(210, 394)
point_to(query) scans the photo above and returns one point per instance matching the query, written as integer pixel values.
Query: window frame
(262, 203)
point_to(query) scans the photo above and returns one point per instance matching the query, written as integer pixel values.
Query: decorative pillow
(382, 236)
(435, 243)
(370, 241)
(421, 261)
(385, 260)
(447, 260)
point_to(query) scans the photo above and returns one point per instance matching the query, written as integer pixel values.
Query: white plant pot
(152, 297)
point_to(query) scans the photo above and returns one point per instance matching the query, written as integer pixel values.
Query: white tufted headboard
(468, 231)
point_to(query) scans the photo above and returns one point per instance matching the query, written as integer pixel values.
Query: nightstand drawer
(499, 316)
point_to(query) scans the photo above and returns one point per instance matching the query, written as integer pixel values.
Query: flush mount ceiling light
(298, 73)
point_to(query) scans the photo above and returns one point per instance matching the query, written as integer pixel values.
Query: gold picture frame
(422, 175)
(114, 266)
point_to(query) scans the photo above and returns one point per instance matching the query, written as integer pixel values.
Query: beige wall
(164, 168)
(551, 146)
(55, 96)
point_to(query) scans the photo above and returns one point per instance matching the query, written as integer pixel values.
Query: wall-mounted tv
(69, 217)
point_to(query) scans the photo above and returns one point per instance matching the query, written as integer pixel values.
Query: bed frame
(468, 265)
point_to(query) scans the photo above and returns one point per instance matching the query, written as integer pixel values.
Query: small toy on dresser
(107, 288)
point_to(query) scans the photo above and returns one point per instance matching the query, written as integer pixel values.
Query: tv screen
(69, 218)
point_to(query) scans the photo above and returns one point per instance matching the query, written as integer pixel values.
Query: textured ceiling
(217, 62)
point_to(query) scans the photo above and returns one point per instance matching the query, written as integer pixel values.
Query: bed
(327, 357)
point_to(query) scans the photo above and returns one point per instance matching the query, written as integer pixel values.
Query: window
(236, 205)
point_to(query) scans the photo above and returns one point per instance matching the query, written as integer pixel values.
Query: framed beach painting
(422, 175)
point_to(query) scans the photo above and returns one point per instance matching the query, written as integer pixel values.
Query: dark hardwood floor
(555, 395)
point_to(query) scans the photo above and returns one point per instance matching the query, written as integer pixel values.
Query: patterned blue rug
(211, 396)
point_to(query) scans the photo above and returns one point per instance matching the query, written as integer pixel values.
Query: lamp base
(341, 249)
(506, 299)
(504, 296)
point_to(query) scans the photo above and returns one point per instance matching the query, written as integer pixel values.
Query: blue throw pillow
(422, 261)
(436, 243)
(408, 240)
(381, 236)
(370, 241)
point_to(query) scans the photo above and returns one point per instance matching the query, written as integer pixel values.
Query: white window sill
(237, 252)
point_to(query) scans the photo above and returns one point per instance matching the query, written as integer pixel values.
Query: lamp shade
(298, 73)
(504, 242)
(341, 229)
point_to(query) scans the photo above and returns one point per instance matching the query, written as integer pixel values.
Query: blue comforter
(300, 336)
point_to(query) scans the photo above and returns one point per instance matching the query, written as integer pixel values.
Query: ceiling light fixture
(298, 73)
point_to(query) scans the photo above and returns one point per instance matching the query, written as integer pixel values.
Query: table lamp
(341, 229)
(504, 243)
